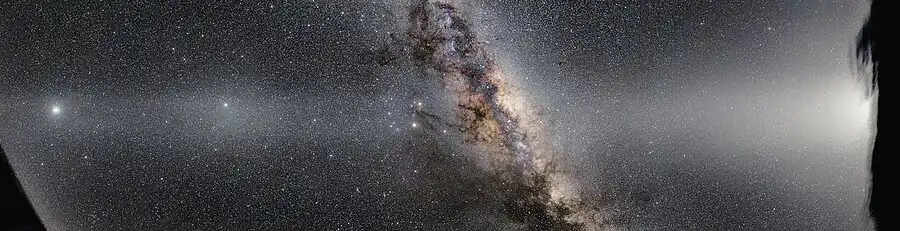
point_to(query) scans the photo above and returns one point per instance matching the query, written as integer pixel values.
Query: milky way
(478, 115)
(492, 116)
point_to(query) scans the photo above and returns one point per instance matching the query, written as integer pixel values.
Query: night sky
(334, 115)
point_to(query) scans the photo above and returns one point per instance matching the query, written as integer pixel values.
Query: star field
(213, 115)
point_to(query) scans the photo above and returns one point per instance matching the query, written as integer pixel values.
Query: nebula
(496, 120)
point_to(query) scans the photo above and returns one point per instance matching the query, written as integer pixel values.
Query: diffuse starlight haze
(436, 115)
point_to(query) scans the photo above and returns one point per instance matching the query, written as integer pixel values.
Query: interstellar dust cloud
(506, 137)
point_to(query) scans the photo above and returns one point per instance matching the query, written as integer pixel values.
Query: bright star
(225, 104)
(415, 125)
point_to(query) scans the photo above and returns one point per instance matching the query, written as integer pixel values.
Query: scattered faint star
(134, 99)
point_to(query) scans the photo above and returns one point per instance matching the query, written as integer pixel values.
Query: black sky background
(708, 115)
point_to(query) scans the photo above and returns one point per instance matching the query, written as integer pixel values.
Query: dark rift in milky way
(442, 42)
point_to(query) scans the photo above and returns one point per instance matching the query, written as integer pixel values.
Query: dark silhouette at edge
(872, 52)
(18, 214)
